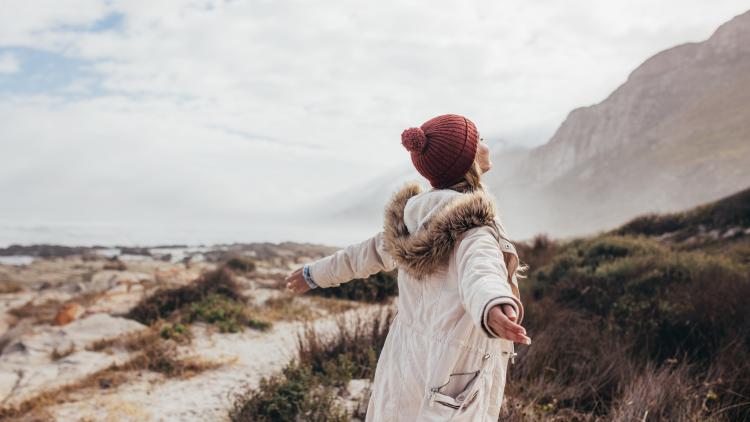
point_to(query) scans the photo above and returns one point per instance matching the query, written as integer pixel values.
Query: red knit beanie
(443, 148)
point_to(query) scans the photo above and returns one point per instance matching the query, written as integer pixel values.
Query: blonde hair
(471, 182)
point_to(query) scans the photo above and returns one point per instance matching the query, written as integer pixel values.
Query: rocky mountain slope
(675, 134)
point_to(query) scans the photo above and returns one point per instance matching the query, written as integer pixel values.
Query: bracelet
(308, 278)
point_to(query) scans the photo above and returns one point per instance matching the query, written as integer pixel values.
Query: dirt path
(208, 396)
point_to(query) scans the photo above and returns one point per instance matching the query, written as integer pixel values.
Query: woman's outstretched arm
(358, 260)
(483, 286)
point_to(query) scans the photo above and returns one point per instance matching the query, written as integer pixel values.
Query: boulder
(8, 382)
(35, 344)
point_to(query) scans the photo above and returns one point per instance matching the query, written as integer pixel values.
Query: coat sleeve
(483, 277)
(358, 260)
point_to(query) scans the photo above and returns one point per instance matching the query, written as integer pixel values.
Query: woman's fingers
(296, 282)
(511, 335)
(514, 326)
(510, 312)
(505, 328)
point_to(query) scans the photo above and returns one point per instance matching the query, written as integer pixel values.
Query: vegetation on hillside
(215, 298)
(377, 288)
(636, 325)
(730, 213)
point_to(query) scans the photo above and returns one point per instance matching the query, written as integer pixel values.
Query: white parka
(439, 360)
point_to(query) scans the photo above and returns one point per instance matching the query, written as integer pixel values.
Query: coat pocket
(457, 391)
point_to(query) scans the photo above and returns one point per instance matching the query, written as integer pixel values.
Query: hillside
(646, 322)
(726, 218)
(675, 134)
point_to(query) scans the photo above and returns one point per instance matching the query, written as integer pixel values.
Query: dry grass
(333, 305)
(150, 352)
(34, 409)
(42, 313)
(155, 353)
(326, 362)
(9, 286)
(58, 354)
(286, 307)
(290, 307)
(115, 265)
(156, 358)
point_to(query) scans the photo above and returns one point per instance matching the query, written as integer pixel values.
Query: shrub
(154, 352)
(227, 314)
(308, 386)
(624, 324)
(164, 302)
(376, 288)
(241, 264)
(177, 332)
(653, 225)
(293, 395)
(671, 301)
(574, 362)
(538, 252)
(732, 211)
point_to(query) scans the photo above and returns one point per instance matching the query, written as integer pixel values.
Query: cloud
(216, 109)
(9, 63)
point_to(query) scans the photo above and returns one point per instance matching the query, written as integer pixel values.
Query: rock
(119, 299)
(104, 280)
(68, 313)
(8, 381)
(356, 396)
(34, 345)
(29, 354)
(33, 380)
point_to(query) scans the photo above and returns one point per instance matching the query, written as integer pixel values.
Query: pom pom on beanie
(413, 139)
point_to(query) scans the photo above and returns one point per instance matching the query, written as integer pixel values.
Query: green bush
(165, 302)
(227, 314)
(215, 298)
(296, 394)
(177, 332)
(672, 301)
(376, 288)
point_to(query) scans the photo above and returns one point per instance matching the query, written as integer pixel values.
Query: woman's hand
(502, 322)
(296, 282)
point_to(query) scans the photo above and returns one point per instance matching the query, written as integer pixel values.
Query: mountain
(676, 134)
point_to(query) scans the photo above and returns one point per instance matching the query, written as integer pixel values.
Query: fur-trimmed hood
(444, 221)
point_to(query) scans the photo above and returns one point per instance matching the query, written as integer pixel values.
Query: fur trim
(427, 250)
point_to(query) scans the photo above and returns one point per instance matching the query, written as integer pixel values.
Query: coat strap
(510, 256)
(469, 393)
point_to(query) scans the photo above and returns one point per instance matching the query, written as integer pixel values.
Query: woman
(459, 313)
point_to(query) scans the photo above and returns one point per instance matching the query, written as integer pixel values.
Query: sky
(195, 113)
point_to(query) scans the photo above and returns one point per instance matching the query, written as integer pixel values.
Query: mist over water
(133, 234)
